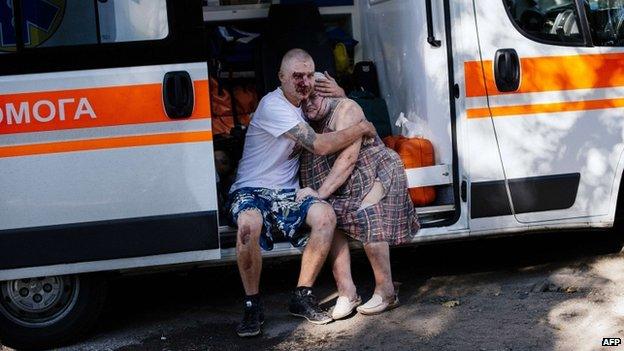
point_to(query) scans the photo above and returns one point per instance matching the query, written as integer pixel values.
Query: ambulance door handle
(431, 39)
(178, 94)
(507, 70)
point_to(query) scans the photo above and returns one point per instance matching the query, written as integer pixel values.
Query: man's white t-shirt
(271, 159)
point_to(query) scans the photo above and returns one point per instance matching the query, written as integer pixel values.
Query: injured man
(366, 185)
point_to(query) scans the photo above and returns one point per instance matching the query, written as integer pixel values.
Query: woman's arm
(345, 162)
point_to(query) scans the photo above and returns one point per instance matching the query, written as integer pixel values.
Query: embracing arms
(329, 143)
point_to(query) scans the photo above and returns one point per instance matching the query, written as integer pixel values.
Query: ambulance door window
(550, 21)
(57, 23)
(47, 23)
(132, 20)
(606, 21)
(7, 29)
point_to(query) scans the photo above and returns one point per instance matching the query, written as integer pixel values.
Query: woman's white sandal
(377, 305)
(345, 306)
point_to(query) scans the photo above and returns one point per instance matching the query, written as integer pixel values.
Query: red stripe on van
(105, 143)
(567, 106)
(552, 73)
(94, 107)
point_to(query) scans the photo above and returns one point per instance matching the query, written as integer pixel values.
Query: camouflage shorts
(283, 216)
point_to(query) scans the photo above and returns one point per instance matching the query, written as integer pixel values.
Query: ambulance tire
(613, 242)
(68, 311)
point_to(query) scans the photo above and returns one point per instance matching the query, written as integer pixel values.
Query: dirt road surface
(561, 291)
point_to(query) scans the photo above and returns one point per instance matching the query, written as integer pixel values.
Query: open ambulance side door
(549, 79)
(106, 155)
(416, 82)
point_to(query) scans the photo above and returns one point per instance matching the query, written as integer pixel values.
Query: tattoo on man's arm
(304, 135)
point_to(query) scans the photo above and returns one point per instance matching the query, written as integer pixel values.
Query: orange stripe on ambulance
(44, 111)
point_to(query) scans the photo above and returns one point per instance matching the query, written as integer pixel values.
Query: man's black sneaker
(304, 304)
(252, 320)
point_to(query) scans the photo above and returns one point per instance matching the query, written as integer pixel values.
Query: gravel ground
(559, 291)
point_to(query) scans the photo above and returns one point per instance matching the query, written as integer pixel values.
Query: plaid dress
(393, 219)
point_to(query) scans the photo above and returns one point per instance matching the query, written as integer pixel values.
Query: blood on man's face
(298, 80)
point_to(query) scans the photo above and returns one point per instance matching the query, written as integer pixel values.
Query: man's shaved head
(294, 55)
(297, 75)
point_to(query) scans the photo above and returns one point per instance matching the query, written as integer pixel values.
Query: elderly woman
(367, 187)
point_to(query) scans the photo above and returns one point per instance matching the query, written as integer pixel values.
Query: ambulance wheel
(45, 312)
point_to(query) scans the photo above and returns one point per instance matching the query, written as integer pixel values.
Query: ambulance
(107, 148)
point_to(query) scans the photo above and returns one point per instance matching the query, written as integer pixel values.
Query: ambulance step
(430, 215)
(435, 209)
(427, 215)
(429, 176)
(227, 236)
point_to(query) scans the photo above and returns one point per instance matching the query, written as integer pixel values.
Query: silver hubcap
(38, 302)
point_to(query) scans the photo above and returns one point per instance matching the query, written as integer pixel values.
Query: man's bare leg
(249, 262)
(341, 266)
(322, 219)
(379, 256)
(248, 254)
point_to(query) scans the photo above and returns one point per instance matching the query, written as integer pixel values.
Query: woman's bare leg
(341, 265)
(379, 256)
(379, 252)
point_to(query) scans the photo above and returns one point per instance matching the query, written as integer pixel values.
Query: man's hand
(305, 192)
(328, 87)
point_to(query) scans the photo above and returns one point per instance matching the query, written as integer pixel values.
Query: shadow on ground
(551, 291)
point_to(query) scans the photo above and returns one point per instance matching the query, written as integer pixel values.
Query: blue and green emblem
(40, 20)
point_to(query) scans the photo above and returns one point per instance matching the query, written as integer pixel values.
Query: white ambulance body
(106, 145)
